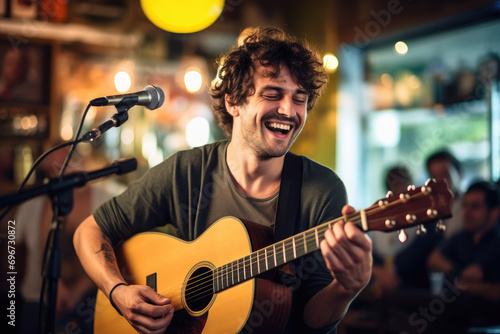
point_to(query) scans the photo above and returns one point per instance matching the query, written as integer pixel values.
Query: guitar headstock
(418, 205)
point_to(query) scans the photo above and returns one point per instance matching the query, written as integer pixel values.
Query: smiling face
(272, 118)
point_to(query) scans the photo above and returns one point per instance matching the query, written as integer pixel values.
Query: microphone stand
(62, 204)
(61, 193)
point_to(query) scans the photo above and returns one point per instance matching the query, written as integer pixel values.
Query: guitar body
(253, 306)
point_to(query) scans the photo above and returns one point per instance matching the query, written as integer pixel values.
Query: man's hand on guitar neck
(348, 254)
(144, 309)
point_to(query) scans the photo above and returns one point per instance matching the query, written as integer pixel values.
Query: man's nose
(286, 107)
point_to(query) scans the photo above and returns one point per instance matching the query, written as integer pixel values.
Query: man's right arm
(143, 308)
(96, 255)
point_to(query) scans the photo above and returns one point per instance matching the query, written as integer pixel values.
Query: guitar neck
(275, 255)
(416, 206)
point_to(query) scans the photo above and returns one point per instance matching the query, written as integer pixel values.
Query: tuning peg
(426, 190)
(390, 223)
(429, 181)
(411, 187)
(440, 226)
(389, 194)
(402, 236)
(411, 218)
(404, 197)
(421, 230)
(382, 203)
(431, 213)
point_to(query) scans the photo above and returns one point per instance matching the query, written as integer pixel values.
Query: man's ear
(231, 108)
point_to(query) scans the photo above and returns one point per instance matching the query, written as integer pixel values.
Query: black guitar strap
(288, 211)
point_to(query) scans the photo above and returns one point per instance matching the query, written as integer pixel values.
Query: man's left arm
(348, 255)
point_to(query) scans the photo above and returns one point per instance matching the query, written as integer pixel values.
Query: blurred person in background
(442, 165)
(411, 262)
(470, 260)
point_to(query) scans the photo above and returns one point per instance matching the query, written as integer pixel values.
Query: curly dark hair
(444, 155)
(272, 47)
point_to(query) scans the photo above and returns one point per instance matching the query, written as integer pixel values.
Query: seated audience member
(443, 165)
(411, 262)
(470, 261)
(473, 254)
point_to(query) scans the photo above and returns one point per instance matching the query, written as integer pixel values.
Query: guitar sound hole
(199, 289)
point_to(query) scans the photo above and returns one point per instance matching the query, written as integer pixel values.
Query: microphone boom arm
(78, 179)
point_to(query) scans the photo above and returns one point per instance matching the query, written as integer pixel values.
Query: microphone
(150, 97)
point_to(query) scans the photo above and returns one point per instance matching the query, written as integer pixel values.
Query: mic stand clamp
(116, 120)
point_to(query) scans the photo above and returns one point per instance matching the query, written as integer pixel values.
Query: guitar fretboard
(275, 255)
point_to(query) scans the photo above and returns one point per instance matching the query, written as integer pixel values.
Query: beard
(260, 139)
(266, 152)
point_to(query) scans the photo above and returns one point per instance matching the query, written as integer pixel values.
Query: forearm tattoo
(107, 250)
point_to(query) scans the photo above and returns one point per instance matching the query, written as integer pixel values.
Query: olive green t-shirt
(226, 200)
(192, 189)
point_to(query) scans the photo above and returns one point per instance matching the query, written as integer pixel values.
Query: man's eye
(271, 97)
(300, 101)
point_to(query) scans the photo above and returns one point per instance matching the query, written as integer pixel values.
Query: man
(472, 254)
(266, 86)
(470, 260)
(411, 262)
(442, 165)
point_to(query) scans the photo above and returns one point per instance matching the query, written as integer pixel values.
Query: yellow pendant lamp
(182, 16)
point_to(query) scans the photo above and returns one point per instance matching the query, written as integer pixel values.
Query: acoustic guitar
(225, 281)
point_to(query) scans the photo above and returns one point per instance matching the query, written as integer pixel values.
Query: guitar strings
(226, 272)
(197, 293)
(203, 287)
(286, 242)
(199, 288)
(205, 292)
(199, 284)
